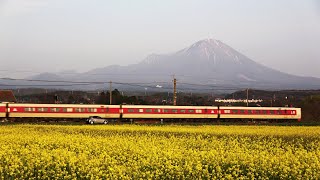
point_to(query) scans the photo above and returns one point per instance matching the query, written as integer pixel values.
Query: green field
(159, 152)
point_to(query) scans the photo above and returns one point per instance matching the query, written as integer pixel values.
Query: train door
(206, 113)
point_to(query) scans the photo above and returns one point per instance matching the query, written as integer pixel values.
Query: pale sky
(58, 35)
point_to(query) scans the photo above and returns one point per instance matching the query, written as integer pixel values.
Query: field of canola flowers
(159, 152)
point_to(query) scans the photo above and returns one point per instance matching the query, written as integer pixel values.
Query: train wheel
(105, 122)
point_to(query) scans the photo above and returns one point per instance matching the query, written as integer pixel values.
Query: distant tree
(102, 98)
(311, 108)
(71, 100)
(116, 97)
(131, 100)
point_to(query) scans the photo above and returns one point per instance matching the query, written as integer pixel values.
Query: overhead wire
(264, 85)
(186, 87)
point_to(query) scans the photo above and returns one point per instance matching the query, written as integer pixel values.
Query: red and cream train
(17, 110)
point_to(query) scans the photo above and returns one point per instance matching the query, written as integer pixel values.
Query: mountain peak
(210, 44)
(207, 43)
(212, 50)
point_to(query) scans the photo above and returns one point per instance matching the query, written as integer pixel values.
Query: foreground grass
(159, 152)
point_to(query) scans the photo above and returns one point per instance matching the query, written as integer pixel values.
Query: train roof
(169, 107)
(66, 105)
(257, 108)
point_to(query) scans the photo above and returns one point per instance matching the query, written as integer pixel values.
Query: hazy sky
(57, 35)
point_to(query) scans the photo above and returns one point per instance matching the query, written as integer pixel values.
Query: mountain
(47, 76)
(206, 62)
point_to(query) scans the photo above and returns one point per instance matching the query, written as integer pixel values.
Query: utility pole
(110, 91)
(174, 91)
(247, 97)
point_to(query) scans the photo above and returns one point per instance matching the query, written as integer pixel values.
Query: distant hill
(206, 62)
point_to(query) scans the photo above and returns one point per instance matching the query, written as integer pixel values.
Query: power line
(87, 73)
(203, 77)
(44, 85)
(37, 80)
(85, 82)
(143, 85)
(210, 87)
(73, 83)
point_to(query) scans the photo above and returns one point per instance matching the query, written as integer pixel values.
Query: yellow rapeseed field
(158, 152)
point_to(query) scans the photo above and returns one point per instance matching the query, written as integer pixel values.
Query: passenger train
(143, 112)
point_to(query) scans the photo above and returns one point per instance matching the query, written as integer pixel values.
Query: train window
(174, 110)
(39, 109)
(29, 109)
(54, 109)
(141, 110)
(271, 111)
(227, 111)
(234, 111)
(250, 112)
(264, 112)
(67, 109)
(148, 110)
(166, 110)
(257, 112)
(92, 109)
(278, 112)
(183, 111)
(241, 111)
(45, 109)
(131, 110)
(293, 112)
(157, 110)
(198, 111)
(79, 109)
(191, 111)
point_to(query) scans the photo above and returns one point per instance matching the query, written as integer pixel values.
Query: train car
(284, 113)
(168, 112)
(17, 110)
(3, 110)
(62, 111)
